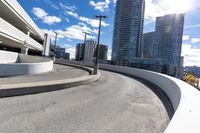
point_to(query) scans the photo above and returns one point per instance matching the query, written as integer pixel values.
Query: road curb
(89, 70)
(8, 90)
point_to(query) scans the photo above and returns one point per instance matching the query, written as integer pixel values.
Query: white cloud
(68, 7)
(186, 37)
(101, 5)
(73, 14)
(49, 2)
(70, 49)
(72, 32)
(43, 15)
(109, 54)
(92, 22)
(114, 1)
(155, 8)
(195, 40)
(191, 55)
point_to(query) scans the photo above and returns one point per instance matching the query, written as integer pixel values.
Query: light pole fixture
(85, 37)
(54, 53)
(96, 66)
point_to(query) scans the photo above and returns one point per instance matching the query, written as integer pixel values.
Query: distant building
(152, 64)
(128, 30)
(67, 56)
(80, 47)
(90, 46)
(103, 52)
(193, 69)
(168, 38)
(148, 44)
(61, 54)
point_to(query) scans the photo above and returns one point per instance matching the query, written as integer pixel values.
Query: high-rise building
(148, 45)
(80, 47)
(60, 52)
(128, 30)
(90, 46)
(103, 51)
(168, 38)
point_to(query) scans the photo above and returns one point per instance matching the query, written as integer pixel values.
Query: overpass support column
(24, 51)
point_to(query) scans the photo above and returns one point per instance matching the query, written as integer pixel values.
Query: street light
(96, 66)
(85, 36)
(85, 40)
(54, 58)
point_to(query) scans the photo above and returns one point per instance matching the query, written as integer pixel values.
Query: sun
(176, 6)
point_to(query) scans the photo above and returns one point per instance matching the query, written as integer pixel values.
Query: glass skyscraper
(168, 38)
(128, 30)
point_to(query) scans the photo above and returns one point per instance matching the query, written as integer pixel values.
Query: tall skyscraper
(128, 30)
(80, 47)
(168, 38)
(90, 46)
(148, 45)
(103, 52)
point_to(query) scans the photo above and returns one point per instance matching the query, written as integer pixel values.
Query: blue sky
(71, 17)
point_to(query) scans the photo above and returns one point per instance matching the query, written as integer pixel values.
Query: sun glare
(176, 6)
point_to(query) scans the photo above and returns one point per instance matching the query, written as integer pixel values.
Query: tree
(191, 79)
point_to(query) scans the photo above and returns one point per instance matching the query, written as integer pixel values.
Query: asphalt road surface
(113, 104)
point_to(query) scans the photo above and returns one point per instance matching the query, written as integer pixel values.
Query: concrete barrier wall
(184, 97)
(27, 64)
(8, 57)
(32, 59)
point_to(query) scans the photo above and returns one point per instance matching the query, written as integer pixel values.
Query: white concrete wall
(31, 59)
(8, 57)
(27, 65)
(184, 97)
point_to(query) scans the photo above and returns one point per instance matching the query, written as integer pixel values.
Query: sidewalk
(60, 78)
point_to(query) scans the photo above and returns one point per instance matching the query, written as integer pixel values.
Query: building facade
(128, 30)
(103, 52)
(168, 38)
(90, 47)
(61, 54)
(18, 31)
(80, 48)
(148, 45)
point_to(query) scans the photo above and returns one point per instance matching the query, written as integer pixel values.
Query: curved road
(113, 104)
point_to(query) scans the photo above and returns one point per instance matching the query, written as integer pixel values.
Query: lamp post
(85, 40)
(54, 53)
(96, 66)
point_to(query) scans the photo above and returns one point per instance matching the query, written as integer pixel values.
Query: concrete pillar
(24, 51)
(28, 33)
(46, 44)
